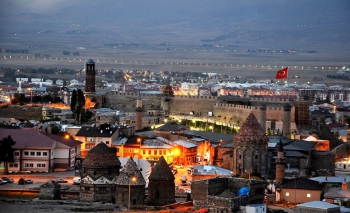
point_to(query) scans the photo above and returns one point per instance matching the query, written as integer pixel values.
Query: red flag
(282, 73)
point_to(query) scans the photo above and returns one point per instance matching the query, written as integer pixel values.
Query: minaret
(286, 120)
(139, 111)
(263, 117)
(90, 76)
(280, 163)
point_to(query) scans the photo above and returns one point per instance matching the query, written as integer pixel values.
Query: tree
(6, 151)
(77, 105)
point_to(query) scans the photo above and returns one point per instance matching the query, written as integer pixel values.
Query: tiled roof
(211, 136)
(332, 193)
(96, 132)
(129, 171)
(300, 183)
(161, 171)
(295, 154)
(35, 138)
(251, 131)
(300, 145)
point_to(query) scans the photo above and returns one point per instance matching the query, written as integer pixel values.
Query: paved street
(38, 179)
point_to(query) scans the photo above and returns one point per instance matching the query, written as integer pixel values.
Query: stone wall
(160, 192)
(207, 193)
(322, 161)
(126, 102)
(199, 105)
(183, 105)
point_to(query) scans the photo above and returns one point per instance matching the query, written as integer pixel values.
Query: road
(39, 179)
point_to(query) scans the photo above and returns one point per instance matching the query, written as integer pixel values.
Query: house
(298, 190)
(91, 136)
(37, 151)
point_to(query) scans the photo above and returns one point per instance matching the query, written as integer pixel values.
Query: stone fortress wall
(200, 106)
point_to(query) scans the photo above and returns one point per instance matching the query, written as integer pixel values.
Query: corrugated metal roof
(318, 205)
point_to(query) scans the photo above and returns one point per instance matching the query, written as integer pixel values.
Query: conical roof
(161, 171)
(168, 91)
(101, 156)
(251, 131)
(129, 171)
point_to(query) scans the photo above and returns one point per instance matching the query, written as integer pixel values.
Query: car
(188, 191)
(9, 180)
(61, 180)
(1, 182)
(29, 181)
(179, 166)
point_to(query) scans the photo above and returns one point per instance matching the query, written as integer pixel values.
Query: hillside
(21, 112)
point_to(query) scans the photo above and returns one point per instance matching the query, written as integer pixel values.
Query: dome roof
(101, 156)
(129, 171)
(161, 171)
(251, 131)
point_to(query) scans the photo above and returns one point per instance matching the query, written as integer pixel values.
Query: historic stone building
(100, 169)
(130, 185)
(161, 186)
(250, 148)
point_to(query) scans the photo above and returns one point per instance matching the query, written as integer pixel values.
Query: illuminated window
(308, 195)
(287, 194)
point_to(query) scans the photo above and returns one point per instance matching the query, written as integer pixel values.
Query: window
(32, 153)
(13, 165)
(16, 154)
(107, 142)
(287, 194)
(155, 152)
(28, 165)
(308, 195)
(38, 153)
(144, 152)
(44, 153)
(26, 153)
(149, 152)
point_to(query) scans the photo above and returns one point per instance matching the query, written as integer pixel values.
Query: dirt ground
(21, 112)
(58, 206)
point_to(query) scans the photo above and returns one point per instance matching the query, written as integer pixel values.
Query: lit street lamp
(133, 179)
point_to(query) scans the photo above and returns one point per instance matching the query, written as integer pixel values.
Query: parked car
(188, 191)
(61, 180)
(9, 180)
(76, 180)
(179, 166)
(29, 181)
(1, 182)
(22, 181)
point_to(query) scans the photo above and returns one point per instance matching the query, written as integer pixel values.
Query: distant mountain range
(308, 24)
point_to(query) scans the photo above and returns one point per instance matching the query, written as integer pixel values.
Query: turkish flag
(282, 73)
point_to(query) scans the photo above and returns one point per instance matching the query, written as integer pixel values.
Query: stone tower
(280, 163)
(100, 169)
(130, 178)
(286, 120)
(139, 111)
(167, 94)
(250, 152)
(90, 76)
(161, 186)
(262, 120)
